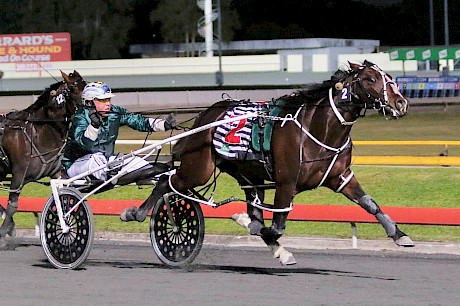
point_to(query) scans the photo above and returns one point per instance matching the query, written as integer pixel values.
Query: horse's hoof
(129, 214)
(6, 244)
(404, 241)
(242, 219)
(285, 257)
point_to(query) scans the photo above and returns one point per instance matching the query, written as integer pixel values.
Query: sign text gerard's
(36, 47)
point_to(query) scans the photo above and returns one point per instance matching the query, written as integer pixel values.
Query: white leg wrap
(286, 258)
(242, 219)
(275, 249)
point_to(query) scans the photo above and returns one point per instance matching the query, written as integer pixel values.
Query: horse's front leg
(354, 192)
(8, 226)
(270, 236)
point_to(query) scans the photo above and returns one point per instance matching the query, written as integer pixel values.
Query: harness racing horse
(310, 146)
(33, 140)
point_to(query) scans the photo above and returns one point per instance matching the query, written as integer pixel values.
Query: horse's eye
(373, 80)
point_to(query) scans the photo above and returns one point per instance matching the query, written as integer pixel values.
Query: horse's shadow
(211, 268)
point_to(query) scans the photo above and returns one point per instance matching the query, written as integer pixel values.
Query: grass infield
(437, 186)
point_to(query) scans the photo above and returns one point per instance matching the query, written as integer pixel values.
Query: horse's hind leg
(354, 192)
(195, 163)
(8, 226)
(139, 214)
(254, 219)
(270, 236)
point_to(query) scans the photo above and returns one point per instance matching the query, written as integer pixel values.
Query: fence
(407, 160)
(379, 160)
(301, 212)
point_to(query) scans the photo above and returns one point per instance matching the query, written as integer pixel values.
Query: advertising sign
(424, 54)
(429, 87)
(30, 49)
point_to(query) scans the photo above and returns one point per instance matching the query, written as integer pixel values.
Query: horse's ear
(65, 76)
(353, 66)
(367, 63)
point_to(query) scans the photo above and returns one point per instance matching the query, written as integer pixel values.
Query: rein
(40, 154)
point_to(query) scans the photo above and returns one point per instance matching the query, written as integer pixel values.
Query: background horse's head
(376, 89)
(58, 102)
(72, 87)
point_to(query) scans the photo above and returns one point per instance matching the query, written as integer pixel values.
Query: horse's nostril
(400, 104)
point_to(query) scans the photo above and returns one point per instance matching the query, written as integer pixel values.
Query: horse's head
(72, 86)
(60, 100)
(374, 88)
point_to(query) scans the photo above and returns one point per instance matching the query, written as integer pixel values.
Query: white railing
(147, 66)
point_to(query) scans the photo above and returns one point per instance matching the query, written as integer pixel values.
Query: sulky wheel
(176, 242)
(67, 250)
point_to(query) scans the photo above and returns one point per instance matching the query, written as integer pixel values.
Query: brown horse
(310, 147)
(33, 140)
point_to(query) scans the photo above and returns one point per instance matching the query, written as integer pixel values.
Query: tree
(230, 20)
(10, 16)
(179, 20)
(105, 29)
(99, 29)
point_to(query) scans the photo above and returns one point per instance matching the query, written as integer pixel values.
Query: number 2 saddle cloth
(246, 139)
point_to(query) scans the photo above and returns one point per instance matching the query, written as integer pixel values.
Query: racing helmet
(98, 90)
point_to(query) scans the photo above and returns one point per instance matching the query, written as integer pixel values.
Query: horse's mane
(41, 102)
(313, 92)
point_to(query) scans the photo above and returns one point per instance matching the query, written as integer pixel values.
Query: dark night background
(105, 29)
